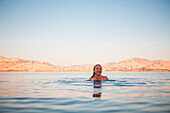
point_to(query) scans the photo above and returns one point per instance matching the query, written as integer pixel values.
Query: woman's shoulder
(91, 78)
(105, 77)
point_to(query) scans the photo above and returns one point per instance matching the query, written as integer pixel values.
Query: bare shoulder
(105, 78)
(91, 78)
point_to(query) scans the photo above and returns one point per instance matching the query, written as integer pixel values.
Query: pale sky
(70, 32)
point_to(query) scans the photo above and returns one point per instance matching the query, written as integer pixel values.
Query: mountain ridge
(135, 64)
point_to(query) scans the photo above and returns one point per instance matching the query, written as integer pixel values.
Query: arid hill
(139, 64)
(130, 65)
(20, 65)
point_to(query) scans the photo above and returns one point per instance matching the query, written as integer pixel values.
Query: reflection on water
(97, 91)
(70, 92)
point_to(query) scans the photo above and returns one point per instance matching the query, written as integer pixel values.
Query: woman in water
(97, 71)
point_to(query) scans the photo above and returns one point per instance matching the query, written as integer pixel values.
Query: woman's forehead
(98, 66)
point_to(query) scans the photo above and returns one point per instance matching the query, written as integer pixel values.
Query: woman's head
(97, 70)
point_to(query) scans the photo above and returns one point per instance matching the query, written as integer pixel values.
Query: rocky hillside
(16, 64)
(134, 64)
(139, 64)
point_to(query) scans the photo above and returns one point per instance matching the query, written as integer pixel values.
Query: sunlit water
(72, 93)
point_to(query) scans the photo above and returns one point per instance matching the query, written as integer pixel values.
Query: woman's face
(98, 70)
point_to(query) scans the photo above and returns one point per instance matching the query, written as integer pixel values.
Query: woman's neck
(97, 75)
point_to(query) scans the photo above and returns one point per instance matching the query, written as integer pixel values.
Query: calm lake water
(127, 92)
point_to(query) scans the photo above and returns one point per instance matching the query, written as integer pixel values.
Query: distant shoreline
(80, 71)
(131, 65)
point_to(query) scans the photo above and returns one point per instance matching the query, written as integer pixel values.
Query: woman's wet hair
(94, 69)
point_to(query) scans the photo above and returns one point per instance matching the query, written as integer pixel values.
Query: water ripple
(72, 93)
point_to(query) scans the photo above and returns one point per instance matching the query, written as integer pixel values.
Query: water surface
(71, 92)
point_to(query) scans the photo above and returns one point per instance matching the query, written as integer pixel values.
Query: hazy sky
(69, 32)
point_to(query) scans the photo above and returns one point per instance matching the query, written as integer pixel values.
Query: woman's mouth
(99, 72)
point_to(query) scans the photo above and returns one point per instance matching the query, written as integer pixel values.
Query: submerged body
(97, 71)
